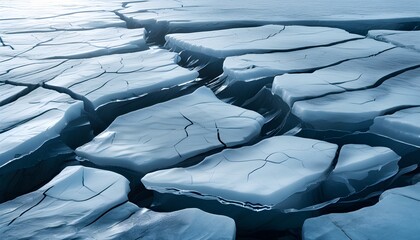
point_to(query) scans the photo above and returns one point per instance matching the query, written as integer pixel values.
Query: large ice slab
(269, 38)
(404, 125)
(33, 119)
(168, 133)
(260, 177)
(192, 15)
(117, 77)
(252, 66)
(90, 203)
(72, 44)
(406, 39)
(357, 109)
(359, 167)
(395, 216)
(350, 75)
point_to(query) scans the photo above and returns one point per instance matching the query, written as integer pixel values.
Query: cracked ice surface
(357, 109)
(109, 78)
(72, 44)
(238, 41)
(168, 133)
(9, 92)
(347, 76)
(406, 39)
(252, 66)
(359, 167)
(33, 119)
(90, 203)
(395, 216)
(267, 173)
(208, 15)
(403, 125)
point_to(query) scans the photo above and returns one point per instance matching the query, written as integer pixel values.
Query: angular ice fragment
(238, 41)
(253, 66)
(260, 177)
(350, 75)
(403, 125)
(356, 110)
(33, 119)
(91, 203)
(359, 167)
(406, 39)
(395, 216)
(9, 92)
(168, 133)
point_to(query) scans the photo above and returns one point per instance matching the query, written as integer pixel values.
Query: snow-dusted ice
(10, 92)
(168, 133)
(260, 177)
(395, 216)
(356, 110)
(406, 39)
(253, 66)
(359, 167)
(33, 119)
(72, 44)
(87, 203)
(348, 76)
(403, 125)
(268, 38)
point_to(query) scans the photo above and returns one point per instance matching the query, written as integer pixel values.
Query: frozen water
(403, 125)
(90, 203)
(395, 216)
(266, 174)
(168, 133)
(269, 38)
(406, 39)
(253, 66)
(351, 75)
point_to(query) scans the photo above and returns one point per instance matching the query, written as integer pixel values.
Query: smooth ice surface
(404, 125)
(350, 75)
(87, 203)
(104, 79)
(196, 14)
(267, 173)
(72, 44)
(238, 41)
(165, 134)
(356, 110)
(395, 216)
(406, 39)
(33, 119)
(252, 66)
(359, 167)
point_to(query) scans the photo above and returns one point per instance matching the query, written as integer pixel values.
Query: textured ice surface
(350, 75)
(357, 109)
(266, 174)
(9, 92)
(104, 79)
(72, 44)
(406, 39)
(238, 41)
(90, 203)
(33, 119)
(359, 167)
(403, 125)
(202, 14)
(395, 216)
(165, 134)
(251, 66)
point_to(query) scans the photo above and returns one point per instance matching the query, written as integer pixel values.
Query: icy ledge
(395, 216)
(168, 133)
(406, 39)
(87, 203)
